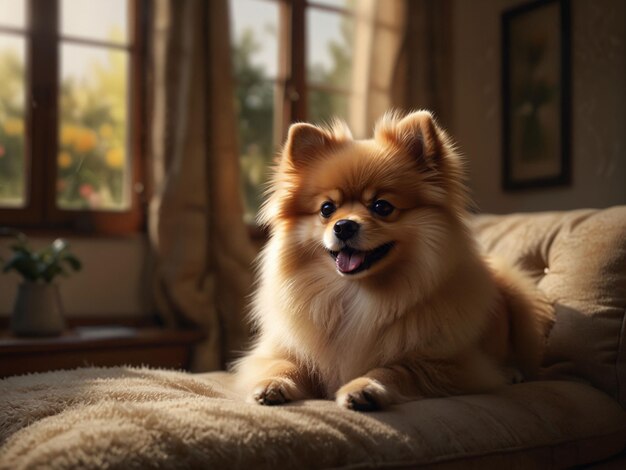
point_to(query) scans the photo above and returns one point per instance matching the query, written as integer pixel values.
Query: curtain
(200, 243)
(401, 60)
(426, 58)
(378, 37)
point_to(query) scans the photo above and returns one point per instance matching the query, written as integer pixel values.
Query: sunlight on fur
(371, 289)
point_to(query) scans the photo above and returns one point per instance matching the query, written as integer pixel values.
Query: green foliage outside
(323, 106)
(254, 101)
(91, 158)
(92, 139)
(11, 129)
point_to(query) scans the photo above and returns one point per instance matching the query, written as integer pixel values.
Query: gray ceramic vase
(37, 310)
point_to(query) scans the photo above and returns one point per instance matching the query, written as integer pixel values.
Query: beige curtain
(402, 54)
(378, 38)
(201, 245)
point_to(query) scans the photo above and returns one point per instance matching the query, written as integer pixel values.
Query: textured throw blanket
(126, 417)
(141, 418)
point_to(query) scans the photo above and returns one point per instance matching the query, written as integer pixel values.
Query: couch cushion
(136, 418)
(579, 260)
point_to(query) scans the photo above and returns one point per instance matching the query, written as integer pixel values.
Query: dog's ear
(418, 133)
(419, 137)
(306, 142)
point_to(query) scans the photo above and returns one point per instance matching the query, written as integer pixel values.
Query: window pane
(329, 48)
(12, 121)
(13, 13)
(255, 35)
(93, 159)
(256, 146)
(255, 58)
(325, 106)
(95, 19)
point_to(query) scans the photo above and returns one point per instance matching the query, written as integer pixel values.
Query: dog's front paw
(363, 394)
(273, 392)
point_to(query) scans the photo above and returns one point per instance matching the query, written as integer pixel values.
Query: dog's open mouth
(351, 261)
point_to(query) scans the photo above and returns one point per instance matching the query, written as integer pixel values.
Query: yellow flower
(106, 131)
(14, 126)
(85, 141)
(68, 134)
(64, 159)
(115, 157)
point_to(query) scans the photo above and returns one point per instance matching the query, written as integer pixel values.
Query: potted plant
(37, 310)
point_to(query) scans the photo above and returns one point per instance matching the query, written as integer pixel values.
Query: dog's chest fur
(339, 329)
(343, 333)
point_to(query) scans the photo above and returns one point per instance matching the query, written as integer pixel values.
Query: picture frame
(536, 95)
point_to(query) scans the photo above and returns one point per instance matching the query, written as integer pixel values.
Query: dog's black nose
(345, 229)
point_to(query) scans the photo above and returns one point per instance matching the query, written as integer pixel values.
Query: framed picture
(536, 95)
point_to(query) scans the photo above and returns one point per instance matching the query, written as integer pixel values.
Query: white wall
(598, 106)
(113, 280)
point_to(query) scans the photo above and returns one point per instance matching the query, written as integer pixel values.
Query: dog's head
(368, 207)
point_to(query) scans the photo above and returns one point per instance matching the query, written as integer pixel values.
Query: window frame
(293, 87)
(43, 43)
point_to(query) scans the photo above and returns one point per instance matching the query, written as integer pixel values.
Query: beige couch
(125, 417)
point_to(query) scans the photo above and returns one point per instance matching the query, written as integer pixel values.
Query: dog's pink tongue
(348, 262)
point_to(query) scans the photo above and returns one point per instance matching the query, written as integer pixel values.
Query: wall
(598, 106)
(112, 282)
(115, 277)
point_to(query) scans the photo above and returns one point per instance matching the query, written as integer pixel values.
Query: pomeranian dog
(372, 290)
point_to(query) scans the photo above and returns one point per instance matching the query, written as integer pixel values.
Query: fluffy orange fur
(406, 307)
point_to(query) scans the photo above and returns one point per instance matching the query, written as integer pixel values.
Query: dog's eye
(382, 208)
(327, 209)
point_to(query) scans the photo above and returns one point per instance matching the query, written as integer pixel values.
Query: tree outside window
(264, 81)
(69, 158)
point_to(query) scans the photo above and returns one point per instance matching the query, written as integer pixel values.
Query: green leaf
(73, 261)
(23, 264)
(45, 264)
(50, 271)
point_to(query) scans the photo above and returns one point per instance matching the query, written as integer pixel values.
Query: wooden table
(98, 346)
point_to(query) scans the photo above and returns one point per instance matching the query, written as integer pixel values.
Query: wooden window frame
(43, 42)
(320, 86)
(292, 85)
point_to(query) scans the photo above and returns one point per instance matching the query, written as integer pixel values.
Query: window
(70, 147)
(292, 62)
(12, 103)
(329, 35)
